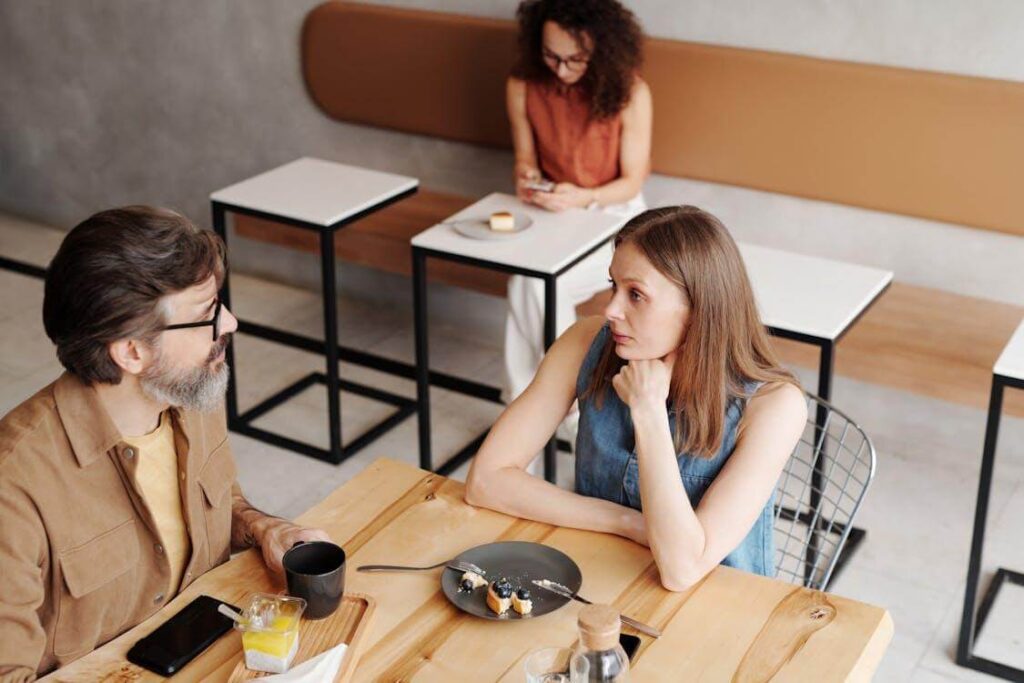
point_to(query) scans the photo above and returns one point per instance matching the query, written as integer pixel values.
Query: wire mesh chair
(819, 493)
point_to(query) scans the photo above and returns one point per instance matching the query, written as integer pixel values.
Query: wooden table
(733, 626)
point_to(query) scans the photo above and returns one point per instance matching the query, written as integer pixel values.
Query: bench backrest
(919, 143)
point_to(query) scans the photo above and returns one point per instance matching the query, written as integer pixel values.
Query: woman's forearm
(618, 191)
(675, 533)
(515, 492)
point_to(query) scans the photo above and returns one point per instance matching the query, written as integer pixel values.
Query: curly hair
(617, 54)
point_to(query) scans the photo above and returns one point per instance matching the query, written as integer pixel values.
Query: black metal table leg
(826, 373)
(973, 616)
(826, 367)
(330, 304)
(22, 268)
(550, 332)
(419, 303)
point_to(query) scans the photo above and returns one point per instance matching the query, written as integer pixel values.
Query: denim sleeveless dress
(606, 462)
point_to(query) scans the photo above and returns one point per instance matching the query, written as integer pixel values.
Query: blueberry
(523, 594)
(466, 585)
(504, 591)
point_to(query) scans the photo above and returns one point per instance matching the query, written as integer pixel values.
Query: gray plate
(480, 228)
(520, 563)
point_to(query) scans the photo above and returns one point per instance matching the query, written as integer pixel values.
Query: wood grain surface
(732, 626)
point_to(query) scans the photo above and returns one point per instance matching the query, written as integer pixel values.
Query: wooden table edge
(871, 656)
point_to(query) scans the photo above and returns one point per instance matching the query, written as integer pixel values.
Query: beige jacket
(80, 558)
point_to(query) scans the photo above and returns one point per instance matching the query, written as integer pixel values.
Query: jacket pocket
(98, 589)
(216, 479)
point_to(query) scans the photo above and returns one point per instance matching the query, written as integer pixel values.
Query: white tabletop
(807, 294)
(315, 191)
(554, 239)
(1011, 360)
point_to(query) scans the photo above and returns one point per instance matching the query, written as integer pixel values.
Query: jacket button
(129, 453)
(158, 599)
(158, 548)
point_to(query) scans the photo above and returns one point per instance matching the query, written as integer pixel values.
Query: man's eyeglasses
(573, 63)
(215, 322)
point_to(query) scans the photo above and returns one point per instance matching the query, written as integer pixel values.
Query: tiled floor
(918, 513)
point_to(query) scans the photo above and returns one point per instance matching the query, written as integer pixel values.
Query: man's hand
(279, 536)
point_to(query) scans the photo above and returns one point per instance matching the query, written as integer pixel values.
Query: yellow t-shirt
(157, 476)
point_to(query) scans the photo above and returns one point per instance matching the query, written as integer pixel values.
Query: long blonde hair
(725, 345)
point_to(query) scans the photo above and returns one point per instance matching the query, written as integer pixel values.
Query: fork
(457, 565)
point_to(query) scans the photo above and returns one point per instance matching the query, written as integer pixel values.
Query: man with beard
(117, 483)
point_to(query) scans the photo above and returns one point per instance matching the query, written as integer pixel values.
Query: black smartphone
(181, 638)
(629, 644)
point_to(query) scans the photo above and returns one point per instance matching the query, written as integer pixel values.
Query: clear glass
(552, 665)
(603, 666)
(270, 631)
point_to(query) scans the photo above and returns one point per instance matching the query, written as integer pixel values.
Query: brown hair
(109, 276)
(617, 55)
(725, 344)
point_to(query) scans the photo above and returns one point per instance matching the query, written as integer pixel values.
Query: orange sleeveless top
(570, 146)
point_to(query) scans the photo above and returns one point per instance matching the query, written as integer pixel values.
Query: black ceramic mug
(315, 572)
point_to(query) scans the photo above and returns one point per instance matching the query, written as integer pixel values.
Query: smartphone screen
(629, 644)
(182, 637)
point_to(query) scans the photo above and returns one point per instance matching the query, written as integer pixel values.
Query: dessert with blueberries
(499, 596)
(521, 601)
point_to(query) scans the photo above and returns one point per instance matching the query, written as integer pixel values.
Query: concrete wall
(139, 101)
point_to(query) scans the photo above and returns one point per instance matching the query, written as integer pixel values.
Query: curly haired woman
(581, 119)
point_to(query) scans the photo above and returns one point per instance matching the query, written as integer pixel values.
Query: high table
(324, 197)
(811, 299)
(1007, 372)
(552, 245)
(730, 626)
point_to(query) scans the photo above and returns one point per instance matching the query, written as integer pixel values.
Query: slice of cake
(502, 221)
(499, 596)
(521, 601)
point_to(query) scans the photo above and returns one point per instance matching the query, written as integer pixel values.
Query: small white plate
(480, 228)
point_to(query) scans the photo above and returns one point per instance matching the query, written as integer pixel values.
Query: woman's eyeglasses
(574, 63)
(215, 322)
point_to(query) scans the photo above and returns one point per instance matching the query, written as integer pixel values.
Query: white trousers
(524, 327)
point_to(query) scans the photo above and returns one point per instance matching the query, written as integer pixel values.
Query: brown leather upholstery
(424, 72)
(919, 143)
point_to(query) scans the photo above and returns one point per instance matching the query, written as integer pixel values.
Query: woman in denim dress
(686, 416)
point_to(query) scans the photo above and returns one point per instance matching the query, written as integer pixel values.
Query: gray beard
(200, 389)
